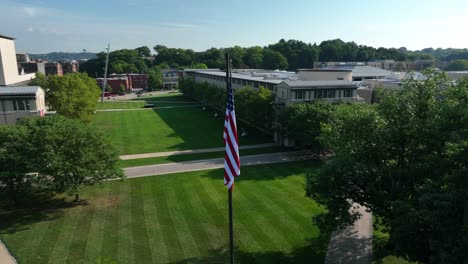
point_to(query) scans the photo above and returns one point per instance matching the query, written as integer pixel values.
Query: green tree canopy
(405, 159)
(458, 65)
(274, 60)
(72, 95)
(53, 154)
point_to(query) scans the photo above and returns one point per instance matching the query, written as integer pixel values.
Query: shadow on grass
(314, 251)
(200, 129)
(267, 172)
(17, 218)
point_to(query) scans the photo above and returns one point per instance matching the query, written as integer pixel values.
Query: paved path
(213, 164)
(5, 256)
(192, 151)
(140, 109)
(352, 245)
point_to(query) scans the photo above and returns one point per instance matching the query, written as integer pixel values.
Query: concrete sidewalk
(352, 245)
(192, 151)
(197, 165)
(5, 256)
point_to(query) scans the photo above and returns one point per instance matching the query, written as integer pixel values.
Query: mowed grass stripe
(192, 218)
(156, 240)
(141, 245)
(49, 239)
(179, 214)
(80, 235)
(96, 229)
(126, 239)
(287, 214)
(218, 196)
(63, 248)
(110, 242)
(170, 236)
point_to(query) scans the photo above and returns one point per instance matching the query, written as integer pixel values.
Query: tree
(15, 163)
(405, 159)
(70, 154)
(154, 79)
(72, 95)
(51, 155)
(40, 80)
(143, 51)
(303, 121)
(274, 60)
(253, 57)
(122, 89)
(458, 65)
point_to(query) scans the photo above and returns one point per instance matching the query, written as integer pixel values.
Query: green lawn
(166, 129)
(177, 218)
(198, 156)
(119, 105)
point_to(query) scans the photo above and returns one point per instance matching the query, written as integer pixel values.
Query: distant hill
(63, 56)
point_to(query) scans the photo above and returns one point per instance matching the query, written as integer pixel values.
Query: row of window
(237, 81)
(323, 93)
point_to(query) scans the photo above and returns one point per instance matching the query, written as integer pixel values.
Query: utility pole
(104, 85)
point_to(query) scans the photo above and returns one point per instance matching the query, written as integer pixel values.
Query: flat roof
(243, 77)
(19, 90)
(5, 37)
(320, 84)
(326, 70)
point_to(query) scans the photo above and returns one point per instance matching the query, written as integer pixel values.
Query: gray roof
(320, 84)
(5, 37)
(367, 71)
(242, 76)
(19, 90)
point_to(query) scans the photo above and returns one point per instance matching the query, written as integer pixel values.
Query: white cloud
(30, 11)
(30, 29)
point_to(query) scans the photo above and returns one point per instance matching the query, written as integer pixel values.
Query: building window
(21, 104)
(318, 94)
(348, 93)
(330, 94)
(300, 95)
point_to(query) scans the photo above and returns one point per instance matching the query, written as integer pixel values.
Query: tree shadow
(199, 128)
(264, 172)
(18, 218)
(313, 251)
(347, 247)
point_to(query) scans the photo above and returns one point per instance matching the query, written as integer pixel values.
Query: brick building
(70, 67)
(53, 68)
(115, 82)
(135, 80)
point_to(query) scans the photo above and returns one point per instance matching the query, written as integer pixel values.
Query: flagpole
(231, 227)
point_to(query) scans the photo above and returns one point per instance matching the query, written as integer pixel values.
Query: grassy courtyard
(177, 218)
(160, 130)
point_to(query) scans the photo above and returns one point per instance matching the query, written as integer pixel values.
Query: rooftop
(271, 77)
(331, 84)
(19, 90)
(5, 37)
(326, 70)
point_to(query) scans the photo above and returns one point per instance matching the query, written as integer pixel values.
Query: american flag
(231, 157)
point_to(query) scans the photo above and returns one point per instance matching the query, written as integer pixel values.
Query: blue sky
(52, 25)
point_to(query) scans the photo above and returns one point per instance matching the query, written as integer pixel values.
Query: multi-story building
(70, 67)
(9, 72)
(115, 82)
(170, 78)
(53, 68)
(22, 58)
(20, 102)
(135, 80)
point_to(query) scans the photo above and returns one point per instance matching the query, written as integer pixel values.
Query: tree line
(284, 55)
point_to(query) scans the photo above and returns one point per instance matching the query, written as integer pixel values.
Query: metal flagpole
(231, 228)
(104, 85)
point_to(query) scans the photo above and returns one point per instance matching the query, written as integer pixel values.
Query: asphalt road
(214, 164)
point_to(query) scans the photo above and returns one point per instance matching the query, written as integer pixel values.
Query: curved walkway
(5, 256)
(352, 245)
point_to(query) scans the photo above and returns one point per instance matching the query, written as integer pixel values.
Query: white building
(20, 102)
(9, 74)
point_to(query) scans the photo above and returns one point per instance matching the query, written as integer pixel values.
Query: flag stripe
(231, 142)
